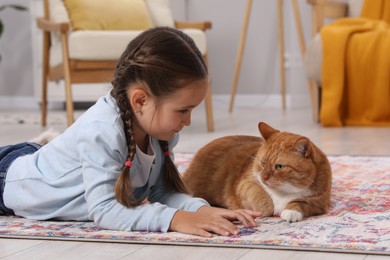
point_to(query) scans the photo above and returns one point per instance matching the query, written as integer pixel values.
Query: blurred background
(259, 82)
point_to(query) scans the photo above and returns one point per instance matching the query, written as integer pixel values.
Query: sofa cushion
(355, 7)
(108, 15)
(313, 59)
(58, 13)
(109, 45)
(160, 12)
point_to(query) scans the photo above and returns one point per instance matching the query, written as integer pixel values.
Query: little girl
(118, 154)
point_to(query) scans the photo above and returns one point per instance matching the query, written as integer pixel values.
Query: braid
(123, 189)
(172, 177)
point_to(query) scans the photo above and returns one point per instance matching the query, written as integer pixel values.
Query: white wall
(259, 70)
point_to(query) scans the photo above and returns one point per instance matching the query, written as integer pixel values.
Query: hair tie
(167, 153)
(128, 164)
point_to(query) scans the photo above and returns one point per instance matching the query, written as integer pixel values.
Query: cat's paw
(291, 215)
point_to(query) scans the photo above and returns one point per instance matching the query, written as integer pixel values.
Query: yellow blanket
(356, 68)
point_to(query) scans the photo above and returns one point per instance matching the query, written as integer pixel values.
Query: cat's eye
(279, 167)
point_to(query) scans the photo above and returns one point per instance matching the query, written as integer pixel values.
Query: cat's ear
(266, 131)
(303, 146)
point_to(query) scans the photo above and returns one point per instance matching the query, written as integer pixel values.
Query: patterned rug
(359, 221)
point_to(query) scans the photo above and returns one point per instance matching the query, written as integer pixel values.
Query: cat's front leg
(292, 212)
(265, 208)
(291, 215)
(253, 197)
(305, 207)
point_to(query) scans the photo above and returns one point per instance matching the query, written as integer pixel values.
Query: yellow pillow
(108, 14)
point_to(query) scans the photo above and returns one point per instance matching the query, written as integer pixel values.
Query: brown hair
(161, 58)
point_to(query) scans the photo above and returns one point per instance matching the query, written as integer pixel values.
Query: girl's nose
(187, 119)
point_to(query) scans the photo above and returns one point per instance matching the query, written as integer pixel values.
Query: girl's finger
(255, 214)
(203, 233)
(249, 218)
(245, 219)
(241, 215)
(223, 227)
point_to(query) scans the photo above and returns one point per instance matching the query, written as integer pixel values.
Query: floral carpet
(358, 222)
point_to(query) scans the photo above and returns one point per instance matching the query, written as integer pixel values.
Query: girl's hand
(208, 220)
(245, 216)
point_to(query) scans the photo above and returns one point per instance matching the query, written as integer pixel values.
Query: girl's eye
(183, 111)
(262, 164)
(279, 167)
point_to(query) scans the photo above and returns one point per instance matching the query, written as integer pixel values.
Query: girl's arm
(102, 152)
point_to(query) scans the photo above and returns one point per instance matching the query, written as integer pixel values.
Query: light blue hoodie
(73, 177)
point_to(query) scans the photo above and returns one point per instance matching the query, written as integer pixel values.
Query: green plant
(16, 7)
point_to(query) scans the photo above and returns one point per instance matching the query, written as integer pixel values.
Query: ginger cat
(282, 174)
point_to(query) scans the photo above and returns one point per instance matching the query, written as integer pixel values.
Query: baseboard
(242, 100)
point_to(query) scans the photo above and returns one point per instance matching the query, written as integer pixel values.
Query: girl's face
(163, 118)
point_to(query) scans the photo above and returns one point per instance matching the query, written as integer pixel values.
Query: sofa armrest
(205, 25)
(48, 26)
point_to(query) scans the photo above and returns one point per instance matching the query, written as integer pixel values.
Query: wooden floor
(243, 120)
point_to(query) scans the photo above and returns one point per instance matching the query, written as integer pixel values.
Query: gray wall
(260, 67)
(16, 78)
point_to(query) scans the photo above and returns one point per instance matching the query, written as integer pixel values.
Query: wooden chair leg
(240, 53)
(209, 111)
(67, 78)
(45, 72)
(69, 101)
(209, 104)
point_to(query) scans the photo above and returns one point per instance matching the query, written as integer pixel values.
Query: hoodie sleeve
(102, 152)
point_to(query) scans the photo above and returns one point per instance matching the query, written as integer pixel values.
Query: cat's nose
(264, 177)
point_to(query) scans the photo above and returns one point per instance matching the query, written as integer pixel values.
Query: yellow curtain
(356, 68)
